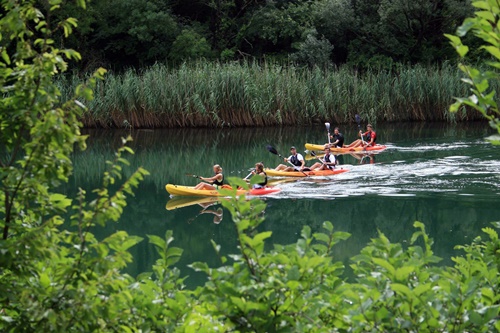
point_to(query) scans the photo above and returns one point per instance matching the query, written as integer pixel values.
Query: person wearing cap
(370, 138)
(328, 163)
(295, 159)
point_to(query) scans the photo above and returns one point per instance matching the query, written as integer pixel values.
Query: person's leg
(280, 167)
(353, 144)
(315, 165)
(359, 143)
(204, 186)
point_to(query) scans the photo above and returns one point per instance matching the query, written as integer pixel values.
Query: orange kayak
(274, 173)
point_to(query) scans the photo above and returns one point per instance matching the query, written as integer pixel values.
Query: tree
(404, 30)
(484, 26)
(189, 45)
(54, 275)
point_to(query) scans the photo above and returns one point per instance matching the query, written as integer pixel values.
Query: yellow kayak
(311, 146)
(191, 191)
(179, 202)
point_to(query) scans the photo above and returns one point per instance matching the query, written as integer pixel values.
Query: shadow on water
(443, 175)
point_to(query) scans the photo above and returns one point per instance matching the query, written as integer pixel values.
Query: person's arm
(372, 140)
(212, 179)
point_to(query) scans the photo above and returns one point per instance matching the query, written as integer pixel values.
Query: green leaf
(322, 237)
(402, 289)
(385, 264)
(5, 57)
(200, 267)
(44, 280)
(465, 27)
(328, 226)
(158, 241)
(493, 50)
(293, 273)
(462, 50)
(402, 273)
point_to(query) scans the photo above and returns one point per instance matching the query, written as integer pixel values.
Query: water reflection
(364, 158)
(445, 176)
(208, 206)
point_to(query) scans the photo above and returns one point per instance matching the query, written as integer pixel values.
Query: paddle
(358, 120)
(328, 130)
(320, 159)
(273, 150)
(191, 175)
(253, 170)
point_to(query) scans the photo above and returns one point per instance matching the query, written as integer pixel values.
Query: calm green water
(444, 175)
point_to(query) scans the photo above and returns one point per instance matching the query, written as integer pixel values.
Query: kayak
(191, 191)
(275, 173)
(179, 202)
(311, 146)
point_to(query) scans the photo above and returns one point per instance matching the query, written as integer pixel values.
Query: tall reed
(208, 94)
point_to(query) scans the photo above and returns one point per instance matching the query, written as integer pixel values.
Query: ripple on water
(459, 174)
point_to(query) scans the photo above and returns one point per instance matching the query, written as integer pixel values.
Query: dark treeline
(119, 34)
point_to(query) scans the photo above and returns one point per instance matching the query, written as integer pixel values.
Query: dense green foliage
(125, 33)
(55, 276)
(484, 25)
(216, 95)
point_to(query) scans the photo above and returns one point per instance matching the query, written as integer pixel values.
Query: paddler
(215, 181)
(370, 138)
(338, 137)
(329, 162)
(295, 159)
(259, 170)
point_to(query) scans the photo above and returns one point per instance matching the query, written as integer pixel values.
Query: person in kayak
(338, 137)
(329, 162)
(259, 170)
(370, 138)
(296, 159)
(215, 181)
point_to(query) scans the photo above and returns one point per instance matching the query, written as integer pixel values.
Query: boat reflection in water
(364, 158)
(207, 205)
(218, 213)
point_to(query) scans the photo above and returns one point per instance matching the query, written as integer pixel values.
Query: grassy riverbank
(216, 95)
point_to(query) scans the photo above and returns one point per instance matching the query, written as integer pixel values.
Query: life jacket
(264, 183)
(330, 160)
(368, 137)
(217, 182)
(295, 160)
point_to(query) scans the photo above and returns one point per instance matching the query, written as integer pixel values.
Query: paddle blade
(313, 153)
(358, 118)
(272, 150)
(327, 125)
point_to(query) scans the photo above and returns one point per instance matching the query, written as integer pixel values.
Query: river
(444, 175)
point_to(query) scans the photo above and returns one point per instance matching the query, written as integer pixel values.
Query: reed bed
(234, 95)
